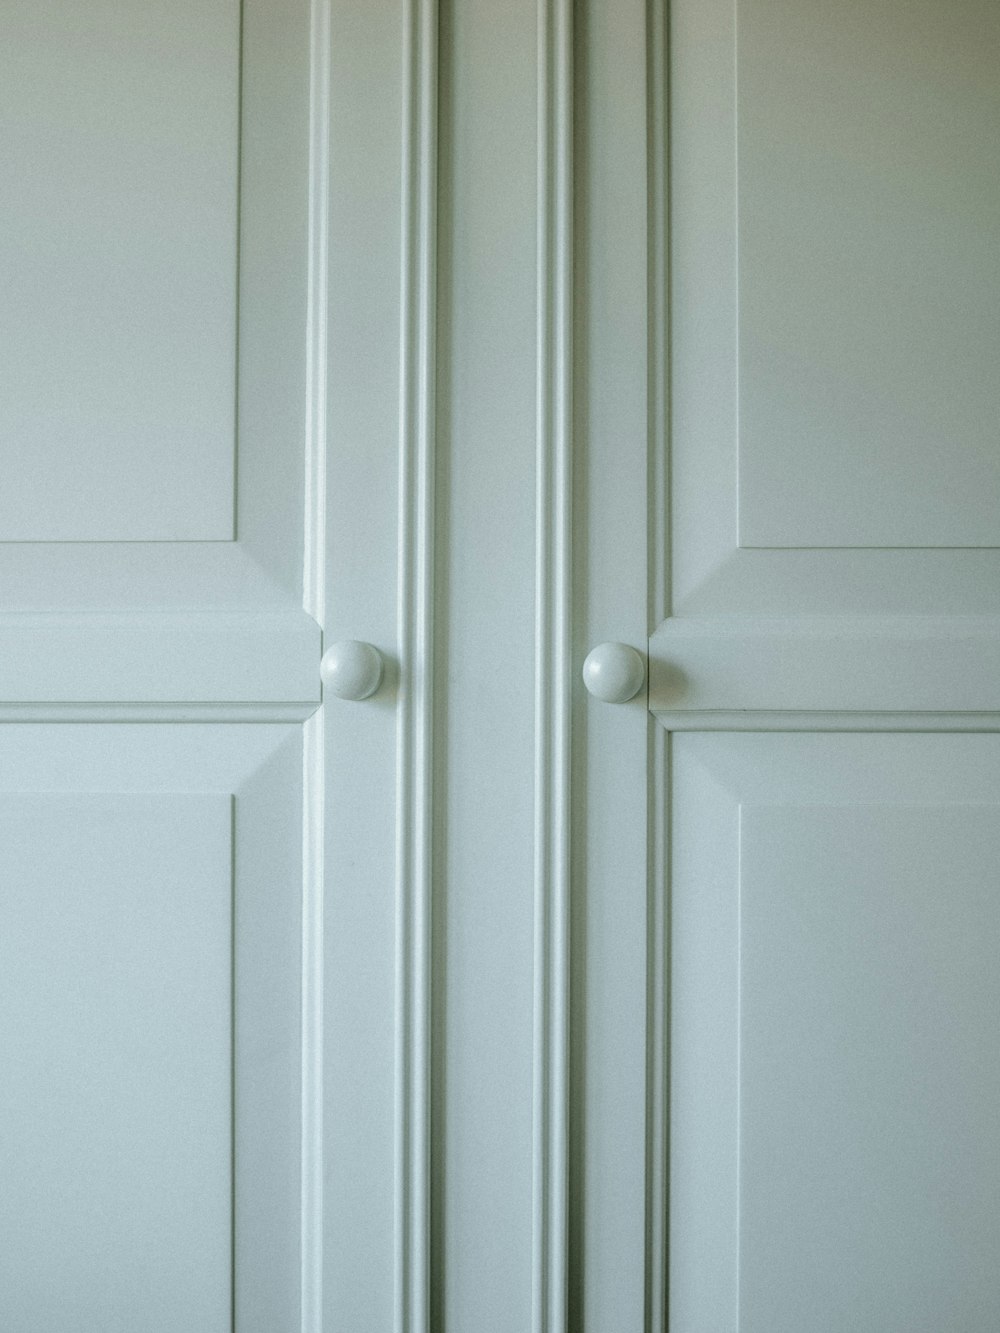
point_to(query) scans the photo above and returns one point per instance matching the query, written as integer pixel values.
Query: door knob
(351, 669)
(614, 672)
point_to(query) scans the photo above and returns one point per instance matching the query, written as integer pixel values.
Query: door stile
(617, 1121)
(359, 526)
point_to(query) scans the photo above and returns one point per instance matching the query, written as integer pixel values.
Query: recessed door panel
(869, 273)
(120, 155)
(834, 330)
(153, 391)
(116, 986)
(835, 994)
(149, 933)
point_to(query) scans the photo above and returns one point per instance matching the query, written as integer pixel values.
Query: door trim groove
(414, 853)
(313, 748)
(553, 668)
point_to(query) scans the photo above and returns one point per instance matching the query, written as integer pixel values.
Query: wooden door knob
(351, 669)
(614, 672)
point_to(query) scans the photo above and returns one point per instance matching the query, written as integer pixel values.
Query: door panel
(835, 1076)
(833, 308)
(151, 958)
(869, 274)
(156, 301)
(121, 385)
(117, 974)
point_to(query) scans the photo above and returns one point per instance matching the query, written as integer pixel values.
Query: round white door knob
(614, 672)
(351, 669)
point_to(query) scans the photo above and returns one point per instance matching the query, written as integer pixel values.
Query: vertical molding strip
(658, 784)
(418, 315)
(313, 750)
(553, 667)
(657, 1032)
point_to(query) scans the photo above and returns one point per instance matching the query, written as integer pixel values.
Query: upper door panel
(869, 274)
(835, 307)
(155, 158)
(119, 326)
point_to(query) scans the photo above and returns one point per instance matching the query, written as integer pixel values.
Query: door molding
(553, 667)
(314, 560)
(415, 735)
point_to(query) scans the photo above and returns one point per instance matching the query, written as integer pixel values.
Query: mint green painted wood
(120, 262)
(609, 1263)
(835, 1072)
(821, 383)
(357, 105)
(150, 920)
(425, 1135)
(153, 543)
(116, 1119)
(487, 454)
(140, 420)
(832, 558)
(869, 274)
(134, 660)
(845, 667)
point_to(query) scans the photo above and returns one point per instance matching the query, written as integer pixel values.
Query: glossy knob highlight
(351, 669)
(614, 672)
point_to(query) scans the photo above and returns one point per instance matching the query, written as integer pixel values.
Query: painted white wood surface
(121, 130)
(226, 658)
(927, 320)
(834, 1059)
(157, 526)
(449, 908)
(485, 1014)
(614, 1260)
(945, 670)
(350, 1015)
(152, 980)
(154, 379)
(117, 981)
(869, 274)
(833, 566)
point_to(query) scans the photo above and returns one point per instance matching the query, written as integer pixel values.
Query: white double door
(471, 1005)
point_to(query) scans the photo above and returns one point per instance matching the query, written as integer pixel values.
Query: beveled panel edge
(194, 659)
(883, 581)
(705, 809)
(776, 721)
(265, 711)
(895, 672)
